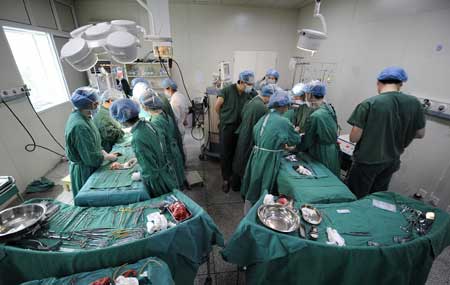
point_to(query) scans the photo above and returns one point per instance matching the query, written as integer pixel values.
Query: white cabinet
(41, 13)
(14, 10)
(65, 16)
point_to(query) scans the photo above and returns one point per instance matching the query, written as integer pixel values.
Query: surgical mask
(299, 102)
(248, 89)
(94, 112)
(166, 92)
(271, 81)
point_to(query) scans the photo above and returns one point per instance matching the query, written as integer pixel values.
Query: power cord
(33, 146)
(44, 125)
(197, 123)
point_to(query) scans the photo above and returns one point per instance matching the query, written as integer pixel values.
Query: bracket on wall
(14, 93)
(436, 108)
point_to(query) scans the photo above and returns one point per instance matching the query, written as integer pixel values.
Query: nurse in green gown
(152, 105)
(139, 85)
(83, 143)
(272, 135)
(149, 147)
(300, 110)
(321, 129)
(110, 130)
(251, 113)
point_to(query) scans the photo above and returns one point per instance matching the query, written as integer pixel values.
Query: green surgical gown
(166, 126)
(320, 139)
(149, 148)
(298, 116)
(83, 149)
(270, 135)
(389, 122)
(110, 130)
(251, 113)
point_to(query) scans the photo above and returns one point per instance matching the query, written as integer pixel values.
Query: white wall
(204, 35)
(15, 161)
(366, 36)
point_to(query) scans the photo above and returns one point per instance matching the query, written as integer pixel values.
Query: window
(39, 66)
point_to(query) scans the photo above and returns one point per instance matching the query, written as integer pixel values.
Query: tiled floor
(226, 210)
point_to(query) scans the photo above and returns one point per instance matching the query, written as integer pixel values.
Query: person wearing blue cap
(178, 102)
(383, 126)
(271, 77)
(139, 87)
(83, 142)
(321, 129)
(110, 130)
(152, 104)
(149, 147)
(229, 104)
(272, 134)
(300, 110)
(251, 113)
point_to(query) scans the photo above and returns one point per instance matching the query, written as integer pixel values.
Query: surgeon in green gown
(152, 105)
(299, 111)
(230, 101)
(110, 130)
(321, 129)
(251, 113)
(83, 142)
(149, 147)
(139, 85)
(272, 135)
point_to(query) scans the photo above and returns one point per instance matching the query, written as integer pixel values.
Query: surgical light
(310, 40)
(117, 40)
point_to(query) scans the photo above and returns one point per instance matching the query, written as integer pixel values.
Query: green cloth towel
(41, 185)
(277, 258)
(183, 247)
(325, 187)
(157, 271)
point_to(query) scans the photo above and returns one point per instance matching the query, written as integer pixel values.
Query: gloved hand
(304, 171)
(116, 166)
(136, 176)
(109, 156)
(289, 148)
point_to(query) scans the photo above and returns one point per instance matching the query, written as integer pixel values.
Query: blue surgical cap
(273, 72)
(299, 89)
(168, 82)
(83, 97)
(124, 109)
(268, 90)
(393, 73)
(138, 80)
(150, 99)
(139, 89)
(247, 76)
(111, 94)
(281, 98)
(316, 88)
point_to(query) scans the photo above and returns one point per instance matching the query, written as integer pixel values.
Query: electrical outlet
(436, 108)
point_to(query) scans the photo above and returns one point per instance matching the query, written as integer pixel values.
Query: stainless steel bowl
(19, 218)
(311, 214)
(279, 218)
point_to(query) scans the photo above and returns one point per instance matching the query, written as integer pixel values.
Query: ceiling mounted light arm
(310, 40)
(318, 15)
(150, 14)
